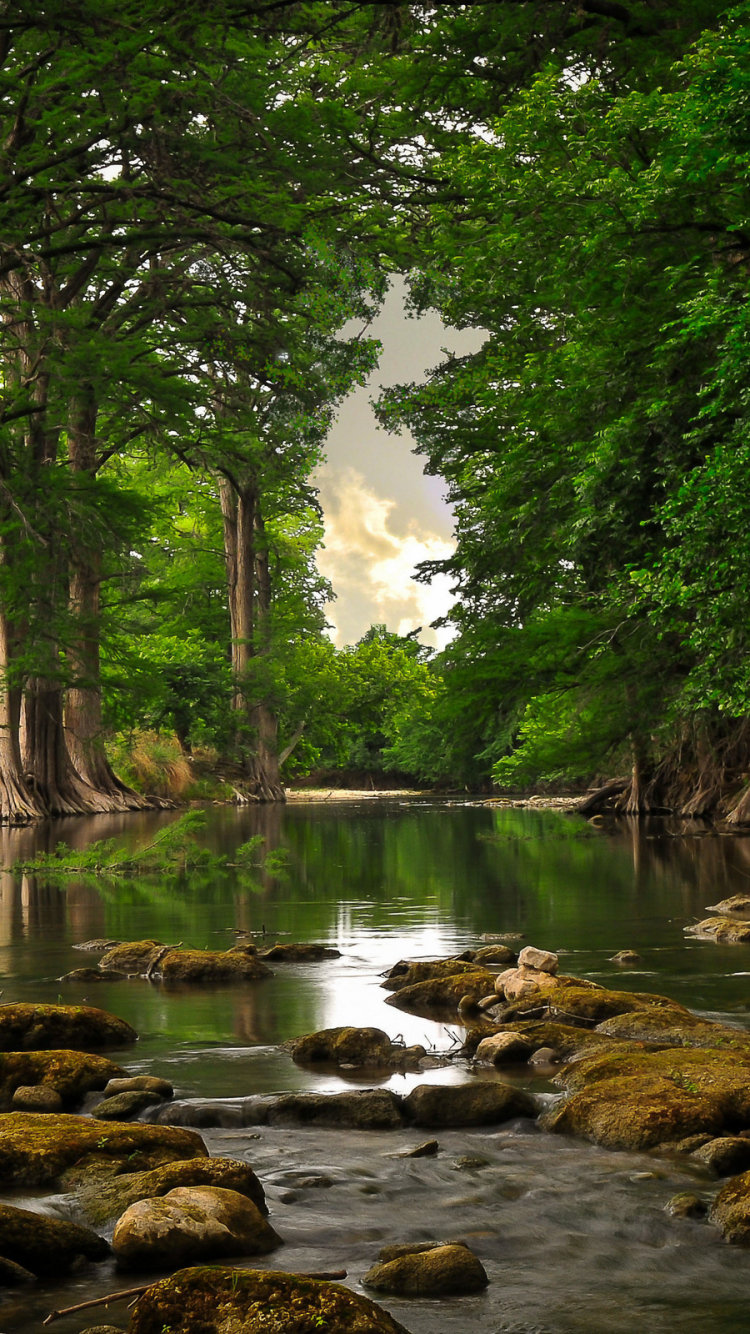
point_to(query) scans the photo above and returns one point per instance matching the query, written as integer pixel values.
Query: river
(574, 1238)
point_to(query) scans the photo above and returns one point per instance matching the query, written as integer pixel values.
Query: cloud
(371, 567)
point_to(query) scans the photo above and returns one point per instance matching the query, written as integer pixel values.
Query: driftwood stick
(325, 1275)
(97, 1301)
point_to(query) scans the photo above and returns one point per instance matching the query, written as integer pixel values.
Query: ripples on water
(573, 1238)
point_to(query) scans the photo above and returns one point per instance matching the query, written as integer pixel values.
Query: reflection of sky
(383, 515)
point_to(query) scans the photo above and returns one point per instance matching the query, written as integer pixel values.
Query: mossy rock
(358, 1109)
(126, 1105)
(72, 1074)
(640, 1099)
(191, 1224)
(581, 1003)
(730, 1210)
(672, 1028)
(345, 1046)
(443, 993)
(725, 930)
(431, 1270)
(255, 1301)
(481, 1103)
(45, 1245)
(86, 975)
(299, 953)
(406, 974)
(39, 1150)
(212, 966)
(738, 903)
(726, 1155)
(102, 1200)
(131, 956)
(567, 1042)
(25, 1027)
(500, 954)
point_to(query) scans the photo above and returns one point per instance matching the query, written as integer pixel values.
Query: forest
(198, 204)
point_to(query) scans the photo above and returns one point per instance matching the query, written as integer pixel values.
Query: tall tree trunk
(83, 707)
(46, 760)
(248, 581)
(18, 802)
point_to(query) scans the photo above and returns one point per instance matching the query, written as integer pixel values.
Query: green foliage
(173, 850)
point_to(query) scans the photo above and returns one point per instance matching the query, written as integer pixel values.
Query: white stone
(502, 1047)
(543, 960)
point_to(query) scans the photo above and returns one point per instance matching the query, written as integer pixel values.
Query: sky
(382, 514)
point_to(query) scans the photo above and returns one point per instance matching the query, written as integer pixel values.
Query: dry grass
(152, 763)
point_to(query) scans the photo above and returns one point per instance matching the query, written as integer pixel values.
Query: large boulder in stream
(444, 993)
(103, 1199)
(731, 1209)
(576, 1001)
(427, 1269)
(567, 1042)
(674, 1028)
(150, 958)
(46, 1245)
(631, 1099)
(70, 1074)
(255, 1301)
(25, 1027)
(477, 1104)
(738, 903)
(191, 1223)
(40, 1150)
(409, 974)
(352, 1046)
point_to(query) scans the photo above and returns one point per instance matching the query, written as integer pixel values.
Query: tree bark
(249, 586)
(18, 802)
(84, 732)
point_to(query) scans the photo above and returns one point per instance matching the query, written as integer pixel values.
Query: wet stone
(428, 1149)
(503, 1048)
(103, 1199)
(726, 1155)
(37, 1098)
(299, 953)
(138, 1083)
(686, 1205)
(188, 1224)
(432, 1270)
(726, 930)
(25, 1027)
(125, 1105)
(626, 957)
(46, 1245)
(475, 1104)
(730, 1210)
(92, 975)
(96, 945)
(13, 1275)
(543, 961)
(42, 1150)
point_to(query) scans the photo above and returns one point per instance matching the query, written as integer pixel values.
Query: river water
(574, 1238)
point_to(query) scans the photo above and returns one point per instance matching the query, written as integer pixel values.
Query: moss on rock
(405, 974)
(46, 1245)
(480, 1103)
(196, 966)
(727, 930)
(131, 956)
(443, 993)
(730, 1210)
(299, 953)
(188, 1224)
(674, 1028)
(360, 1109)
(582, 1003)
(72, 1074)
(351, 1046)
(39, 1150)
(255, 1301)
(432, 1270)
(25, 1027)
(102, 1200)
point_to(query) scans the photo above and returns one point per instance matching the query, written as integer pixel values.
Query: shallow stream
(574, 1238)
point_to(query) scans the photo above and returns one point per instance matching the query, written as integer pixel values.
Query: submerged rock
(352, 1046)
(359, 1109)
(428, 1149)
(579, 1002)
(443, 992)
(104, 1199)
(299, 953)
(95, 945)
(92, 975)
(727, 930)
(131, 956)
(567, 1042)
(46, 1245)
(730, 1210)
(626, 957)
(26, 1027)
(38, 1150)
(191, 1223)
(13, 1275)
(235, 965)
(432, 1269)
(255, 1301)
(406, 974)
(124, 1105)
(475, 1104)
